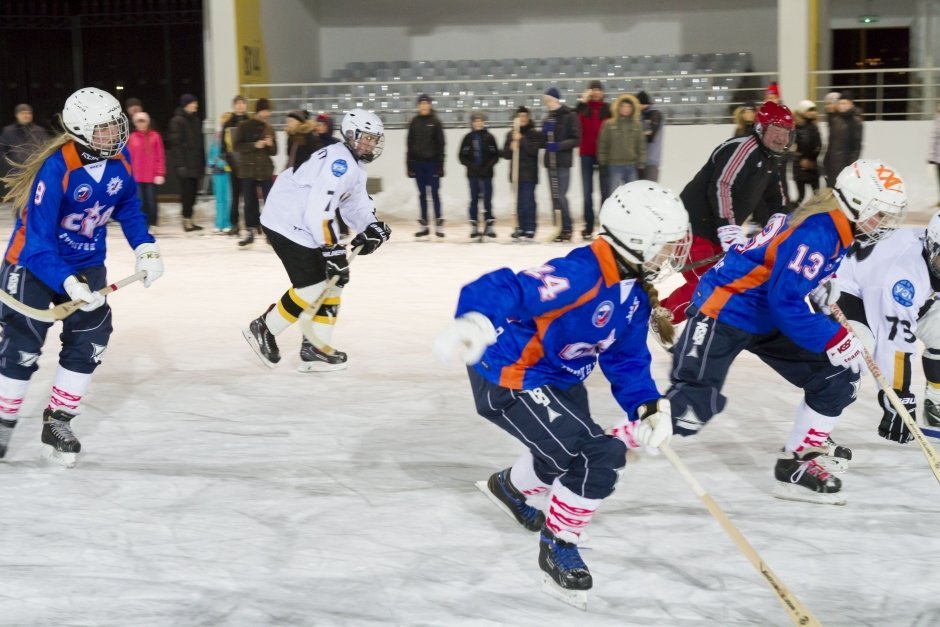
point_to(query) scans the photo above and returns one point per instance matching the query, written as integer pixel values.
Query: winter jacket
(228, 130)
(425, 139)
(653, 122)
(562, 127)
(806, 150)
(254, 163)
(591, 116)
(845, 142)
(622, 141)
(148, 158)
(479, 153)
(187, 145)
(302, 142)
(19, 141)
(529, 146)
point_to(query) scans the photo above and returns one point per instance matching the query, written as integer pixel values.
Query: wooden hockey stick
(306, 317)
(799, 613)
(553, 187)
(515, 177)
(929, 451)
(701, 262)
(64, 310)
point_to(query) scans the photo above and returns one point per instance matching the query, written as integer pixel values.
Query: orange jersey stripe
(19, 240)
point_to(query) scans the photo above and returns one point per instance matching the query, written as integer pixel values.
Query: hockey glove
(825, 295)
(149, 262)
(652, 429)
(372, 237)
(466, 337)
(892, 426)
(730, 235)
(846, 350)
(336, 264)
(79, 290)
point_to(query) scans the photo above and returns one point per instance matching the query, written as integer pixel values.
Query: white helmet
(871, 193)
(932, 244)
(364, 133)
(94, 118)
(646, 224)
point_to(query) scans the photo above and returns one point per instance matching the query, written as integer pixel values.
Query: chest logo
(82, 192)
(114, 185)
(903, 292)
(602, 314)
(339, 167)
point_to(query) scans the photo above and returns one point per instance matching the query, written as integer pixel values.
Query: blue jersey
(557, 321)
(64, 226)
(762, 285)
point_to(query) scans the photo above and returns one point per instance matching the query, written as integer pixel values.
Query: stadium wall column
(795, 48)
(220, 42)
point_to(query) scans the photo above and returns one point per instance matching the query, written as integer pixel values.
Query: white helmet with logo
(94, 118)
(646, 224)
(364, 133)
(871, 194)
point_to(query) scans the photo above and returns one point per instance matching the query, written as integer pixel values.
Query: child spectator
(148, 165)
(221, 179)
(526, 143)
(621, 145)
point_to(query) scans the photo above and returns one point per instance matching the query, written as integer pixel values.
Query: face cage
(361, 141)
(671, 258)
(878, 226)
(115, 132)
(933, 256)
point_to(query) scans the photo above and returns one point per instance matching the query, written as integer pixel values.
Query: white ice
(214, 491)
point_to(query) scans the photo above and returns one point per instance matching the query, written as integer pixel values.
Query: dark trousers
(558, 179)
(250, 193)
(588, 166)
(188, 188)
(148, 202)
(236, 187)
(812, 182)
(84, 334)
(555, 424)
(703, 356)
(426, 178)
(480, 186)
(526, 208)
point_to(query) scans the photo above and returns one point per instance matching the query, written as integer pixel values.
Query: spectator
(479, 153)
(562, 133)
(773, 93)
(302, 137)
(653, 121)
(255, 143)
(744, 119)
(148, 165)
(239, 115)
(806, 151)
(934, 157)
(221, 179)
(188, 149)
(592, 110)
(621, 147)
(425, 162)
(845, 137)
(525, 143)
(325, 129)
(133, 106)
(20, 139)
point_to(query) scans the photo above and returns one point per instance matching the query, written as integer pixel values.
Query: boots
(489, 232)
(439, 227)
(424, 231)
(189, 227)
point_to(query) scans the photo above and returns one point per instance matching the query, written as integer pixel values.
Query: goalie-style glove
(892, 426)
(336, 264)
(466, 337)
(825, 296)
(372, 237)
(77, 289)
(149, 262)
(846, 350)
(730, 235)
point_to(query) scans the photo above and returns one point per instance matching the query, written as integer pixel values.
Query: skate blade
(320, 366)
(574, 598)
(50, 454)
(794, 492)
(502, 506)
(254, 346)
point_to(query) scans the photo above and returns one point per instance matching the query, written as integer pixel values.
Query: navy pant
(148, 201)
(555, 424)
(703, 355)
(84, 334)
(250, 194)
(588, 163)
(480, 186)
(426, 177)
(526, 208)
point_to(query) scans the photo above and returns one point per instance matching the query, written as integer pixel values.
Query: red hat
(774, 89)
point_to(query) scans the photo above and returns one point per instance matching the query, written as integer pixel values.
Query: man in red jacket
(592, 110)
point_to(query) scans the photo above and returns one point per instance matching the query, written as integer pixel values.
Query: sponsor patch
(903, 292)
(82, 192)
(339, 167)
(602, 314)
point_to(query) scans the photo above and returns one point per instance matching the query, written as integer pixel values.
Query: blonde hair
(20, 180)
(660, 316)
(823, 201)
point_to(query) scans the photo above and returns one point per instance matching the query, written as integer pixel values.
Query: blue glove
(548, 126)
(551, 146)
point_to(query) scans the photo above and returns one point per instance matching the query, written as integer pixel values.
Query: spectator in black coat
(479, 153)
(325, 129)
(526, 142)
(187, 146)
(845, 137)
(425, 162)
(562, 132)
(239, 115)
(806, 150)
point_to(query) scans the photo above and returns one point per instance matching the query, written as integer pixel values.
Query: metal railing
(885, 93)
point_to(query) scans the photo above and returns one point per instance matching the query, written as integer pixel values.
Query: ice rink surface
(214, 491)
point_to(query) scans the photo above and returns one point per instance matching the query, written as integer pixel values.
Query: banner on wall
(252, 60)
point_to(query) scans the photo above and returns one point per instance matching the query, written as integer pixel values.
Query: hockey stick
(799, 613)
(306, 317)
(929, 451)
(701, 262)
(553, 186)
(515, 177)
(64, 310)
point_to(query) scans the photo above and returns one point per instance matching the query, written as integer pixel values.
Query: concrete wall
(291, 30)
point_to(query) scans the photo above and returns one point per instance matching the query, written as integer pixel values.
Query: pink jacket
(147, 156)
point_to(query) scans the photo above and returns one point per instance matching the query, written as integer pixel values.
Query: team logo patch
(602, 314)
(114, 185)
(339, 167)
(903, 292)
(82, 192)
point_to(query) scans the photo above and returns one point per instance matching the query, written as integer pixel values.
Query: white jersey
(304, 201)
(893, 282)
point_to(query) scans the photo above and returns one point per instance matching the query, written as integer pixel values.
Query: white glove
(846, 350)
(149, 261)
(730, 235)
(78, 290)
(825, 296)
(466, 337)
(651, 430)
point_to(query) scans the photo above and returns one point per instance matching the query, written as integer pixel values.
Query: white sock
(323, 325)
(810, 429)
(12, 393)
(280, 317)
(568, 513)
(524, 478)
(68, 389)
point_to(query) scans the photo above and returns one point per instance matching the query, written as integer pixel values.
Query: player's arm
(726, 179)
(40, 253)
(127, 212)
(626, 364)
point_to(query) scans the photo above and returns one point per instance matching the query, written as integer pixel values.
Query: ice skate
(424, 231)
(490, 231)
(564, 236)
(248, 241)
(61, 445)
(587, 235)
(6, 432)
(262, 341)
(931, 413)
(504, 494)
(439, 228)
(475, 232)
(565, 576)
(312, 359)
(804, 478)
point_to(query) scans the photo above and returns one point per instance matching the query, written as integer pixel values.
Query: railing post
(879, 95)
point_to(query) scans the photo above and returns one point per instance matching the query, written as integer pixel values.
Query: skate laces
(61, 429)
(565, 554)
(812, 467)
(528, 512)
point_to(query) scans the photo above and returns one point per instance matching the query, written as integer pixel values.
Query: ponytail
(661, 317)
(20, 180)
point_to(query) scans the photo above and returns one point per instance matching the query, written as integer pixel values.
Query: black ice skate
(564, 236)
(424, 231)
(931, 413)
(475, 231)
(565, 575)
(262, 341)
(61, 445)
(587, 235)
(6, 432)
(804, 478)
(248, 241)
(312, 359)
(439, 228)
(508, 498)
(490, 231)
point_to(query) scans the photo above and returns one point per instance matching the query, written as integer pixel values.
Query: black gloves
(892, 427)
(372, 237)
(336, 264)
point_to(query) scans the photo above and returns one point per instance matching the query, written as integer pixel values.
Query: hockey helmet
(871, 194)
(932, 244)
(94, 118)
(772, 115)
(647, 225)
(363, 133)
